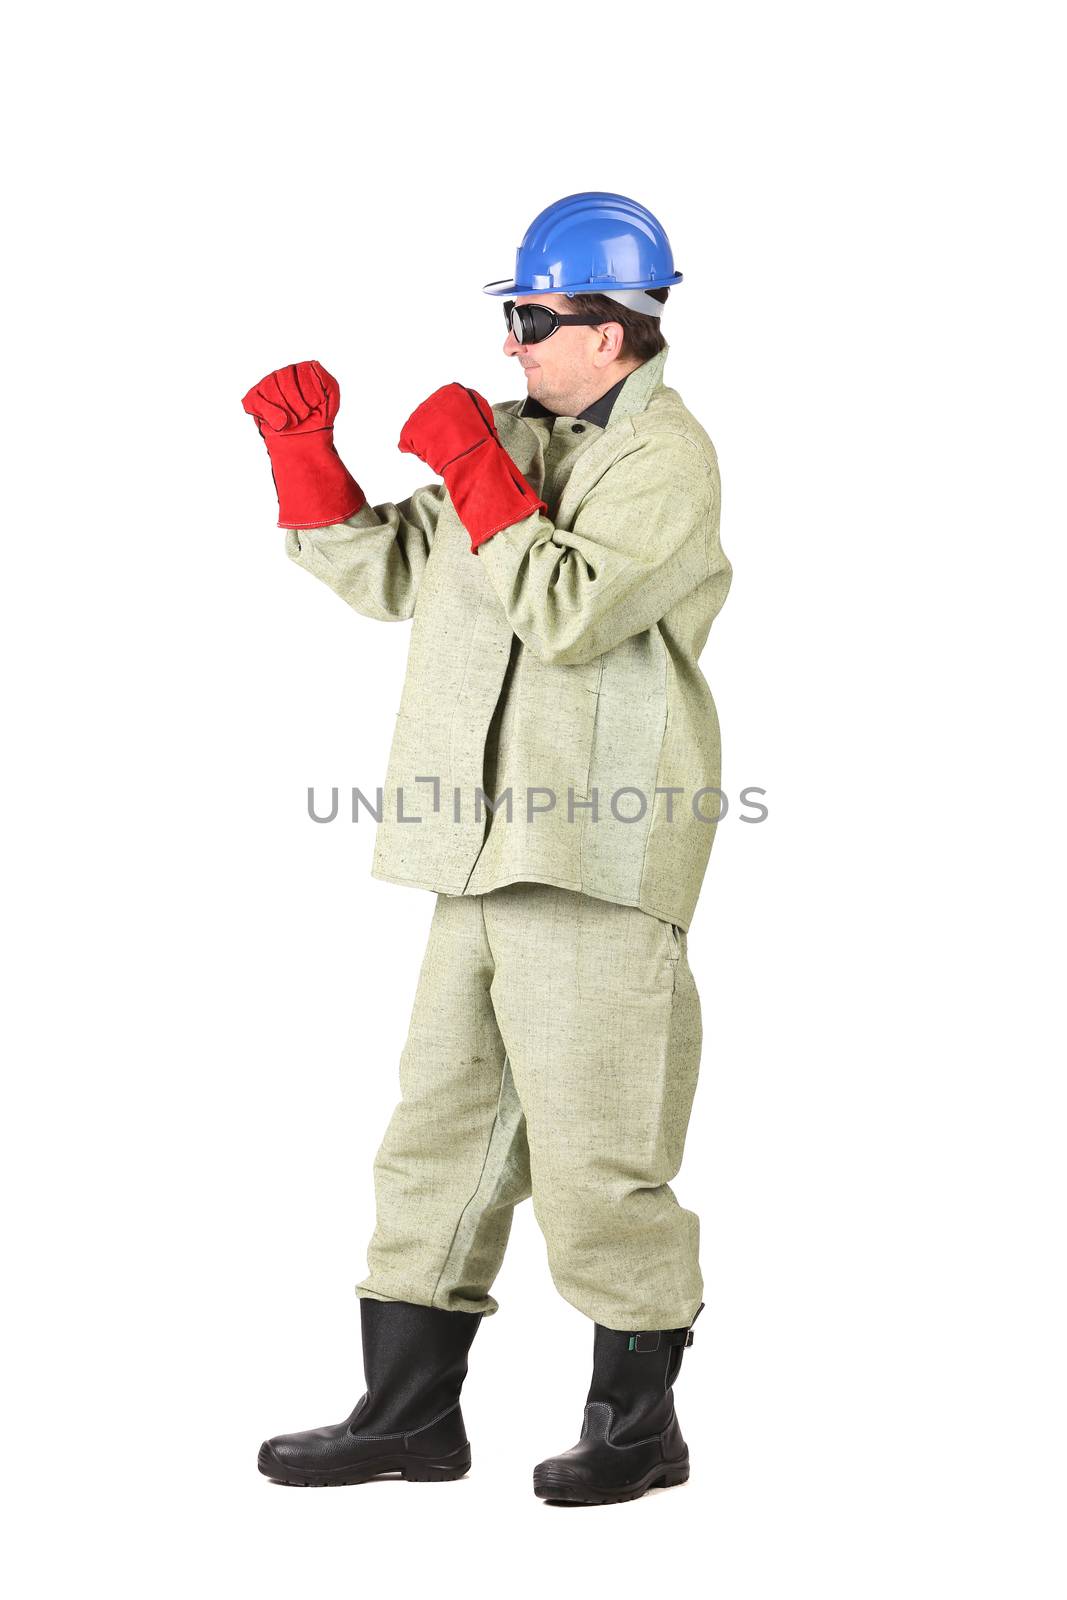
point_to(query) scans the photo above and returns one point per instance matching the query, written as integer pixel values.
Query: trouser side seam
(496, 1123)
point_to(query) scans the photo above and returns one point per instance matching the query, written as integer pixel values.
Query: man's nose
(511, 344)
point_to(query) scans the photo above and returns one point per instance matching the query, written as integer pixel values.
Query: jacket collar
(629, 395)
(640, 385)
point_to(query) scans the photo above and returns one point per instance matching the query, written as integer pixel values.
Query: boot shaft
(634, 1373)
(414, 1362)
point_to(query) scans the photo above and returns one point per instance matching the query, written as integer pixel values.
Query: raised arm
(643, 537)
(375, 559)
(372, 556)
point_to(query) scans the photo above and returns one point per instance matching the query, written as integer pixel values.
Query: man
(563, 577)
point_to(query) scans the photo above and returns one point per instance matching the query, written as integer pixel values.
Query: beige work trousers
(553, 1052)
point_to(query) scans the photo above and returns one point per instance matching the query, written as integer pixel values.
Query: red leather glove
(454, 433)
(294, 409)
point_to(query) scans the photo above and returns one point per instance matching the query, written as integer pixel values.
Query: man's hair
(641, 335)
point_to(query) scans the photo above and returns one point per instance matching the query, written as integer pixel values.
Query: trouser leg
(601, 1020)
(454, 1160)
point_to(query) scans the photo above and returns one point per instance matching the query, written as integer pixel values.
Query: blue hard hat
(593, 243)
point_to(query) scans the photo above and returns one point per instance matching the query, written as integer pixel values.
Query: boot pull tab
(684, 1336)
(640, 1343)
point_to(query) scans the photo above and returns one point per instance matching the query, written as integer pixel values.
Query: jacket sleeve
(375, 559)
(643, 537)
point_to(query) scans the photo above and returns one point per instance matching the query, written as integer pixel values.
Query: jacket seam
(589, 774)
(659, 753)
(459, 694)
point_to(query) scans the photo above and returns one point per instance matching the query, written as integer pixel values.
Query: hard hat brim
(603, 285)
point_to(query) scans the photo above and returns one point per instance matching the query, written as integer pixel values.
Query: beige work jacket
(558, 665)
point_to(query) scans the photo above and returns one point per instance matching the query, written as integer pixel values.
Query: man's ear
(613, 332)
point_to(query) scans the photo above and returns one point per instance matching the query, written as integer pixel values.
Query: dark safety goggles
(531, 324)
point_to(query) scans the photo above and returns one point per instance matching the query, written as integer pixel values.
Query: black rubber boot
(408, 1422)
(631, 1441)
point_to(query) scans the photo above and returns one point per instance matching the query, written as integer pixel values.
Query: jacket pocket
(674, 941)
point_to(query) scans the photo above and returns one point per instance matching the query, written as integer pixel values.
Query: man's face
(561, 369)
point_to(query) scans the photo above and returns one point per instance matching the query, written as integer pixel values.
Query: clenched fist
(293, 408)
(454, 432)
(452, 421)
(296, 399)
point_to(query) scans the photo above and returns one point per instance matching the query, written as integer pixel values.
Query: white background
(207, 995)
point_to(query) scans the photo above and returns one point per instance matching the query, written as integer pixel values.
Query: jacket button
(577, 427)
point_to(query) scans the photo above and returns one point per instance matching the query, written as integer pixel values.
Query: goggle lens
(532, 323)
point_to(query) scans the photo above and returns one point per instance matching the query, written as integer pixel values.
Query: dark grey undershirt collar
(597, 414)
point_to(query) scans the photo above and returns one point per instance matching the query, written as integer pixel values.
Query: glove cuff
(315, 488)
(489, 492)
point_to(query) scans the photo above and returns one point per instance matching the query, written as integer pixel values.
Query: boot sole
(437, 1469)
(558, 1487)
